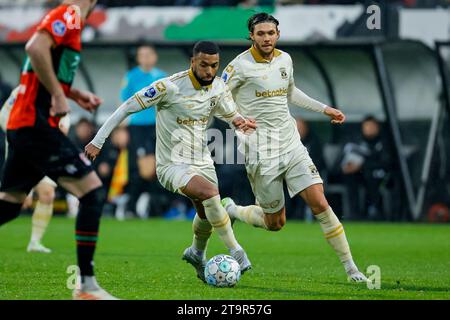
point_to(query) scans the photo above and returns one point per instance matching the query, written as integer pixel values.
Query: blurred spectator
(296, 207)
(84, 132)
(141, 126)
(112, 168)
(367, 166)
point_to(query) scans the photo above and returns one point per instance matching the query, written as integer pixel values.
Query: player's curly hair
(207, 47)
(260, 18)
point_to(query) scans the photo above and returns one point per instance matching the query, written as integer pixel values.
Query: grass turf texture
(142, 260)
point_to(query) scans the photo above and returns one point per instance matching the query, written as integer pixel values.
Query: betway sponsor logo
(192, 122)
(271, 93)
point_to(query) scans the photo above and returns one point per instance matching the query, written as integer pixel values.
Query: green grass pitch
(142, 260)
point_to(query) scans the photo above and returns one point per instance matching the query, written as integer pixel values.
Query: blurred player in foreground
(262, 82)
(185, 103)
(45, 189)
(37, 148)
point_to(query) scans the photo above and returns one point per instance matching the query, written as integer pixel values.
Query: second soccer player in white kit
(262, 82)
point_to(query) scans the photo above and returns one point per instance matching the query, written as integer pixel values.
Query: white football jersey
(260, 89)
(184, 109)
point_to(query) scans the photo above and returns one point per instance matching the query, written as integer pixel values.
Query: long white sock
(253, 215)
(220, 220)
(335, 236)
(202, 231)
(40, 220)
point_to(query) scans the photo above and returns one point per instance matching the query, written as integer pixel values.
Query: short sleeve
(61, 24)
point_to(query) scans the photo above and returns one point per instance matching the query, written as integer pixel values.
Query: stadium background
(398, 73)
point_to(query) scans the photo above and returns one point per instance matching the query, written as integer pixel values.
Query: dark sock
(9, 211)
(87, 225)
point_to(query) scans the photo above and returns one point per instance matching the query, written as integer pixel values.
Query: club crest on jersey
(314, 170)
(213, 102)
(59, 28)
(283, 73)
(150, 93)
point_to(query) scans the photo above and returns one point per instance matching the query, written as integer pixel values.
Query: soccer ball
(222, 271)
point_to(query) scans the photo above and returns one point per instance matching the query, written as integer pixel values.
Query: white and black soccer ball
(222, 271)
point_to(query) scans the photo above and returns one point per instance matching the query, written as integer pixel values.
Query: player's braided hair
(260, 18)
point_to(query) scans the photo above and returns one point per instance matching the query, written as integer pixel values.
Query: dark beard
(203, 83)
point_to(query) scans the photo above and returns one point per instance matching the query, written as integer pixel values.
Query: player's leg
(255, 215)
(202, 229)
(87, 190)
(303, 178)
(196, 253)
(73, 171)
(269, 213)
(19, 176)
(332, 229)
(42, 214)
(10, 205)
(200, 189)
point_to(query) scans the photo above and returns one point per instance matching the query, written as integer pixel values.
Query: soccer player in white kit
(185, 103)
(45, 189)
(262, 83)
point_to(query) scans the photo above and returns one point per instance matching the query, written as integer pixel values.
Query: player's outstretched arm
(147, 97)
(300, 99)
(92, 150)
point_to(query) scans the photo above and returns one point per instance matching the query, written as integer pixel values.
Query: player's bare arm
(85, 99)
(38, 50)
